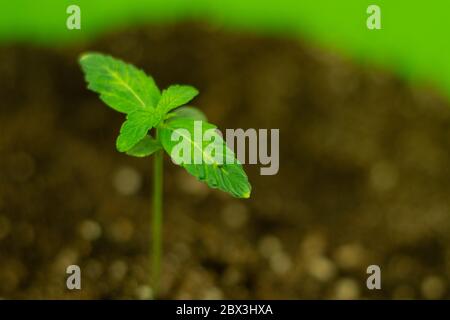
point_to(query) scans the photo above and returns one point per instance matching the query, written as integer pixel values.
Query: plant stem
(157, 218)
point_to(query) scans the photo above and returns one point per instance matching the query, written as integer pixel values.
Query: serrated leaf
(175, 96)
(226, 176)
(187, 113)
(135, 128)
(145, 147)
(121, 86)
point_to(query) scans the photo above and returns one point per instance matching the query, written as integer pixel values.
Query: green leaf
(218, 169)
(175, 96)
(187, 113)
(145, 147)
(135, 128)
(121, 86)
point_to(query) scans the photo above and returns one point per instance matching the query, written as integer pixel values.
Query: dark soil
(364, 176)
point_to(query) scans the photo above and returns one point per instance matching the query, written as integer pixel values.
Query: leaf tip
(246, 195)
(84, 56)
(120, 144)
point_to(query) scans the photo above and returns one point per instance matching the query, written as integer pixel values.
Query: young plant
(129, 90)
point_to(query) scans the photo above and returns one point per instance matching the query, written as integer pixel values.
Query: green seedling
(152, 118)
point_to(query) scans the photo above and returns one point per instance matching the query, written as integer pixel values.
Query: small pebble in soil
(117, 270)
(90, 230)
(433, 287)
(127, 180)
(235, 215)
(12, 274)
(321, 268)
(232, 276)
(313, 244)
(269, 245)
(383, 176)
(121, 230)
(66, 257)
(144, 292)
(346, 289)
(350, 256)
(280, 262)
(212, 293)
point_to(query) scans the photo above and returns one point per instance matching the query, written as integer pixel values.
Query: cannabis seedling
(129, 90)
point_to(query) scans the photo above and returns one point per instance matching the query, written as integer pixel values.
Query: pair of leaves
(129, 90)
(140, 121)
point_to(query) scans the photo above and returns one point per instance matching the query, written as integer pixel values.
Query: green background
(413, 42)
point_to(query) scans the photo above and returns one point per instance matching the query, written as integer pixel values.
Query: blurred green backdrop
(413, 40)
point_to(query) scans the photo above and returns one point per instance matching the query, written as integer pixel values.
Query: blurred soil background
(364, 176)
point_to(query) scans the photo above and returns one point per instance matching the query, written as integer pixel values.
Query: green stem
(157, 218)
